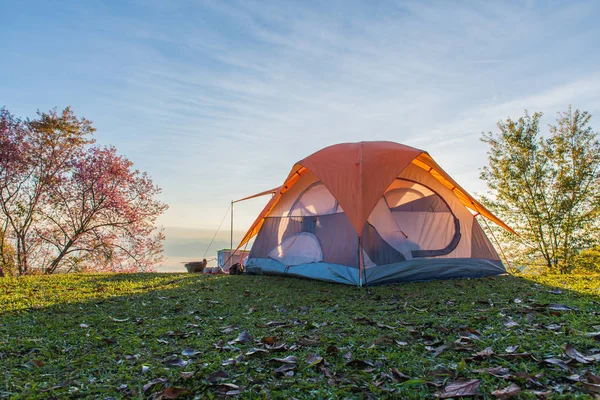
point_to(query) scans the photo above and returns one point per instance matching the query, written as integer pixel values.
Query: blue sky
(218, 99)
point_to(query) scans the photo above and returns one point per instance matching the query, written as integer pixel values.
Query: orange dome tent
(371, 213)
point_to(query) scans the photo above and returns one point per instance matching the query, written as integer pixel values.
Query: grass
(122, 336)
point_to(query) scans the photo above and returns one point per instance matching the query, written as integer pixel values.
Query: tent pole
(231, 237)
(360, 262)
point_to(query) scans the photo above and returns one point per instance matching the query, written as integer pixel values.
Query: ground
(170, 335)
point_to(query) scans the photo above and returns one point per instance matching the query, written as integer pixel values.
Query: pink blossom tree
(103, 216)
(68, 205)
(34, 153)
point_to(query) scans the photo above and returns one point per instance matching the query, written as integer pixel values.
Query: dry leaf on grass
(511, 390)
(171, 393)
(460, 388)
(573, 353)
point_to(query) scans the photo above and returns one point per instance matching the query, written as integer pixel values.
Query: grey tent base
(406, 271)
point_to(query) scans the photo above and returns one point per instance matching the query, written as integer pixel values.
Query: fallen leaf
(308, 342)
(511, 349)
(561, 307)
(152, 383)
(271, 324)
(509, 323)
(255, 350)
(229, 361)
(286, 360)
(313, 360)
(470, 333)
(284, 368)
(186, 375)
(399, 376)
(460, 388)
(228, 348)
(224, 388)
(172, 393)
(215, 376)
(227, 329)
(189, 352)
(485, 353)
(118, 320)
(178, 334)
(557, 362)
(332, 350)
(499, 372)
(439, 350)
(243, 337)
(176, 362)
(109, 340)
(381, 340)
(595, 335)
(591, 387)
(527, 377)
(277, 347)
(84, 326)
(270, 340)
(553, 327)
(511, 390)
(573, 353)
(36, 363)
(592, 378)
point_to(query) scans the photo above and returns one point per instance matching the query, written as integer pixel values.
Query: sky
(217, 100)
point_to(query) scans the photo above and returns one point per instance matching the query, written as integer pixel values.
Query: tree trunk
(19, 257)
(54, 264)
(22, 255)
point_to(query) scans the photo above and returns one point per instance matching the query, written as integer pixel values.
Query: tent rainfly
(371, 213)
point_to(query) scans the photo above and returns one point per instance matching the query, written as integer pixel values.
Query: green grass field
(180, 336)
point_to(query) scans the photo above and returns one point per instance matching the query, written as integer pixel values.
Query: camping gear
(227, 258)
(236, 269)
(196, 266)
(371, 213)
(213, 271)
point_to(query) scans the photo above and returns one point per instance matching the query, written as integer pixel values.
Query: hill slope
(166, 335)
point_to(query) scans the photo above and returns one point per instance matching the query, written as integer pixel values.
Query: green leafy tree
(546, 188)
